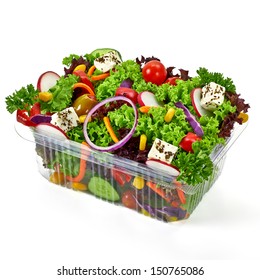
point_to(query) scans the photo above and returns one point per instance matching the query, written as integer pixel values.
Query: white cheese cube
(107, 61)
(212, 96)
(65, 119)
(162, 150)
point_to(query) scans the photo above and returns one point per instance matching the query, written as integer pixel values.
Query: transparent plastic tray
(178, 200)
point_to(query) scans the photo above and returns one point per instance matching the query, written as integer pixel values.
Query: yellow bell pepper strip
(84, 86)
(81, 67)
(110, 129)
(82, 168)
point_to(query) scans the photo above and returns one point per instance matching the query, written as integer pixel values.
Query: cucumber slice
(102, 189)
(99, 52)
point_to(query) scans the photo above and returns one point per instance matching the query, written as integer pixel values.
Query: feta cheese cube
(65, 119)
(107, 61)
(162, 150)
(212, 96)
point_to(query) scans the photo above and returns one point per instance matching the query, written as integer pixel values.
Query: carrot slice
(144, 109)
(91, 70)
(82, 168)
(162, 193)
(110, 129)
(84, 86)
(180, 193)
(100, 77)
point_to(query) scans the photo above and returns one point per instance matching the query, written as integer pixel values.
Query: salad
(141, 109)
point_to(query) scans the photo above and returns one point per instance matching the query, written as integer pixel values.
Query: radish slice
(163, 166)
(48, 129)
(147, 98)
(195, 99)
(47, 80)
(120, 143)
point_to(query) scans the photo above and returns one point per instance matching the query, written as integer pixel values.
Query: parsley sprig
(22, 99)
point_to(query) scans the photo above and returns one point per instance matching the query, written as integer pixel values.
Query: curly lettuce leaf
(123, 71)
(68, 164)
(98, 133)
(76, 134)
(61, 95)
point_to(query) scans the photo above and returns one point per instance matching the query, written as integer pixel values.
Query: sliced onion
(122, 141)
(191, 119)
(40, 118)
(127, 83)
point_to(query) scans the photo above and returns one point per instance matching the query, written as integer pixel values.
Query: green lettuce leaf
(125, 70)
(68, 164)
(61, 95)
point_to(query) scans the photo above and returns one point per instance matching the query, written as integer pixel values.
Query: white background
(44, 226)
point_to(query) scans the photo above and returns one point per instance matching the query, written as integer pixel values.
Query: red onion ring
(122, 141)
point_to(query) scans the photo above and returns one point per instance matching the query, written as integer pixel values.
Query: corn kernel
(79, 186)
(82, 118)
(45, 96)
(146, 213)
(171, 219)
(243, 116)
(57, 178)
(81, 67)
(138, 182)
(169, 115)
(142, 144)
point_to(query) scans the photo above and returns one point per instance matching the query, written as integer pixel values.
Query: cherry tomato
(127, 92)
(128, 199)
(188, 140)
(172, 80)
(154, 72)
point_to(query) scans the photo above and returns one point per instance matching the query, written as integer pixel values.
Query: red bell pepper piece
(22, 117)
(121, 177)
(84, 78)
(36, 109)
